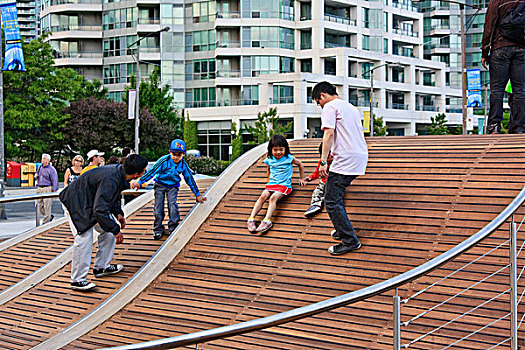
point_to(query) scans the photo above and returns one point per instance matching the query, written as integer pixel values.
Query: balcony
(228, 44)
(405, 32)
(223, 103)
(454, 109)
(228, 74)
(76, 27)
(149, 21)
(281, 100)
(427, 108)
(404, 6)
(342, 20)
(78, 58)
(229, 14)
(67, 2)
(27, 12)
(399, 106)
(329, 45)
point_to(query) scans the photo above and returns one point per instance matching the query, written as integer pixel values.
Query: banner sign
(474, 88)
(132, 102)
(14, 56)
(366, 121)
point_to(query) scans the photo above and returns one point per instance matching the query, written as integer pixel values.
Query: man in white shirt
(344, 136)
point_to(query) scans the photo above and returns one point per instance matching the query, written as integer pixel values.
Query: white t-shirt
(349, 150)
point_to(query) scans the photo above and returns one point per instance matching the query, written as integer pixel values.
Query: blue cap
(178, 145)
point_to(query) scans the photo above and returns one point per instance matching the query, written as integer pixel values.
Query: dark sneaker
(111, 269)
(335, 235)
(314, 209)
(52, 217)
(343, 248)
(494, 128)
(83, 285)
(157, 235)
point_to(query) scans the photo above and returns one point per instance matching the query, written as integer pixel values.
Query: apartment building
(227, 60)
(442, 30)
(28, 18)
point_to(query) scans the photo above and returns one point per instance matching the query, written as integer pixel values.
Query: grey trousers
(83, 248)
(318, 195)
(44, 205)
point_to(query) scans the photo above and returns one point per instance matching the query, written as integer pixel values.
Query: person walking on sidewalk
(47, 180)
(344, 138)
(93, 159)
(94, 200)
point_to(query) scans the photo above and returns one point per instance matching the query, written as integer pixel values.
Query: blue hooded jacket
(168, 174)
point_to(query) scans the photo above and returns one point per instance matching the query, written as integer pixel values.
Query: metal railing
(391, 284)
(52, 195)
(337, 19)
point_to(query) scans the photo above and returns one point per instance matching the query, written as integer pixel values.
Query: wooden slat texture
(51, 306)
(420, 197)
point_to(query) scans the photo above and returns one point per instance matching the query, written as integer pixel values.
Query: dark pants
(507, 63)
(162, 192)
(335, 189)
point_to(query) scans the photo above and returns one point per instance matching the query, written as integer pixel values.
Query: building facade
(28, 12)
(227, 60)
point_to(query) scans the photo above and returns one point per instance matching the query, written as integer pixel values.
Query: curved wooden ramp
(51, 306)
(420, 197)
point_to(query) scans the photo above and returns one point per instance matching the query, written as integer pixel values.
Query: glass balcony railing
(427, 108)
(337, 19)
(74, 54)
(149, 20)
(222, 103)
(328, 45)
(454, 109)
(76, 27)
(65, 2)
(281, 100)
(405, 32)
(404, 6)
(228, 44)
(397, 106)
(228, 74)
(229, 14)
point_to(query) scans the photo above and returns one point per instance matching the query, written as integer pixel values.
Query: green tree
(159, 100)
(379, 127)
(104, 125)
(190, 133)
(34, 102)
(437, 126)
(236, 142)
(267, 125)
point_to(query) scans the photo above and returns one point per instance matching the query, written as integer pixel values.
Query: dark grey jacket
(94, 196)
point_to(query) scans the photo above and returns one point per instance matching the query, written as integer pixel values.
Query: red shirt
(315, 173)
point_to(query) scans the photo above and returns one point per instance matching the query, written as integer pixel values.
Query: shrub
(206, 165)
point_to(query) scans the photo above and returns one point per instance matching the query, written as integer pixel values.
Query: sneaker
(335, 235)
(264, 226)
(83, 285)
(251, 225)
(157, 235)
(52, 217)
(111, 269)
(494, 128)
(314, 209)
(343, 248)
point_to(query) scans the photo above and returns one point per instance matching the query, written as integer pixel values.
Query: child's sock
(267, 220)
(251, 219)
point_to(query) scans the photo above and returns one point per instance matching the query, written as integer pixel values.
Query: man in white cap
(93, 159)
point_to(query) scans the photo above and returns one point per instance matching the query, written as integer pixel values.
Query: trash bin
(24, 175)
(31, 169)
(13, 174)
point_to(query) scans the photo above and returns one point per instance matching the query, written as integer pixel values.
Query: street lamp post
(137, 85)
(371, 71)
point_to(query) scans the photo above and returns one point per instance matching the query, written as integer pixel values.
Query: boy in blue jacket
(168, 169)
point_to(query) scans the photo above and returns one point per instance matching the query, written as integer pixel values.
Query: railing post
(397, 322)
(36, 214)
(513, 288)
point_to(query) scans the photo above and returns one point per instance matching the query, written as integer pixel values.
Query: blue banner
(473, 79)
(14, 56)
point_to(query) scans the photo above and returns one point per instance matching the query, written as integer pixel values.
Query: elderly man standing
(47, 180)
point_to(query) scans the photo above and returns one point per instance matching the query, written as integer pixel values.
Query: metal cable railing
(379, 288)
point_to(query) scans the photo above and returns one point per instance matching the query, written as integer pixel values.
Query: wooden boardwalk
(419, 197)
